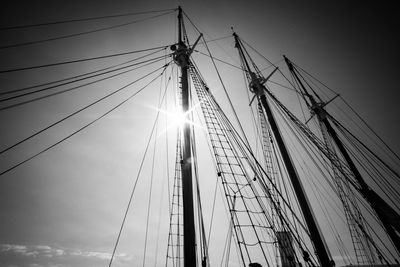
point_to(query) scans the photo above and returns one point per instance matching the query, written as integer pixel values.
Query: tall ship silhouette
(296, 184)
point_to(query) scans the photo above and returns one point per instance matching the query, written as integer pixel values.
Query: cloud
(7, 247)
(46, 256)
(101, 255)
(31, 251)
(19, 249)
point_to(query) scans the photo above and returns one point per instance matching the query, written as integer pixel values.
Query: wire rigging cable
(151, 180)
(352, 109)
(132, 193)
(297, 135)
(69, 116)
(226, 122)
(220, 60)
(82, 33)
(150, 61)
(139, 172)
(80, 20)
(134, 186)
(160, 209)
(87, 125)
(82, 60)
(77, 76)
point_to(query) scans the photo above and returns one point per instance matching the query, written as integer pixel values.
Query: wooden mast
(258, 88)
(387, 215)
(181, 57)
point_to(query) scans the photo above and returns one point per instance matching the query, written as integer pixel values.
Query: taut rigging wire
(240, 68)
(80, 20)
(239, 140)
(84, 78)
(220, 60)
(354, 111)
(342, 128)
(369, 211)
(137, 177)
(204, 41)
(58, 82)
(221, 81)
(69, 116)
(368, 166)
(81, 60)
(78, 86)
(250, 152)
(209, 145)
(85, 126)
(82, 33)
(237, 137)
(152, 175)
(271, 63)
(227, 95)
(166, 83)
(283, 86)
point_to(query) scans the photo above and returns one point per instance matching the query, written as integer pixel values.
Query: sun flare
(178, 118)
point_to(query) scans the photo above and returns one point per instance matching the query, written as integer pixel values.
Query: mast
(387, 215)
(258, 88)
(181, 57)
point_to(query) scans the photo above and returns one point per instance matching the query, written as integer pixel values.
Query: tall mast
(387, 215)
(258, 88)
(181, 57)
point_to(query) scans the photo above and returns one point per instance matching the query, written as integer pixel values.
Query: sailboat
(283, 188)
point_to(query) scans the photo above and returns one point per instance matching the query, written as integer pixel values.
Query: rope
(220, 60)
(134, 186)
(76, 76)
(232, 129)
(166, 83)
(272, 64)
(227, 95)
(79, 130)
(72, 114)
(370, 128)
(76, 87)
(229, 167)
(81, 60)
(79, 20)
(72, 88)
(81, 33)
(354, 111)
(151, 183)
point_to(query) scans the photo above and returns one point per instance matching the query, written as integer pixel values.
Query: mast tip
(233, 31)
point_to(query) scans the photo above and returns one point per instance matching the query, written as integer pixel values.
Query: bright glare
(177, 118)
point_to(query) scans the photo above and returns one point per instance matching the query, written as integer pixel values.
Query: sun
(178, 118)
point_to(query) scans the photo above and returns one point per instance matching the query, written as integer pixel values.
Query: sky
(65, 207)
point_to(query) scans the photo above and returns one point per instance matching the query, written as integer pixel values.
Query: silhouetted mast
(181, 57)
(388, 216)
(258, 88)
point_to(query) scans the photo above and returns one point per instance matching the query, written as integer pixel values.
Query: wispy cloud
(31, 251)
(46, 256)
(99, 255)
